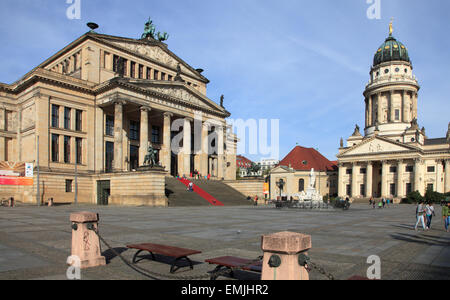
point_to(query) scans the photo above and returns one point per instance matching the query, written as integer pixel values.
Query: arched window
(301, 185)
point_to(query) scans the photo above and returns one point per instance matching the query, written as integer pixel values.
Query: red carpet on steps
(213, 201)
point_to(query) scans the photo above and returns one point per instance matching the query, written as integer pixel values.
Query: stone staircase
(178, 195)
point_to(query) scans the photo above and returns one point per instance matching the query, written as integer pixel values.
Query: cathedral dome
(391, 50)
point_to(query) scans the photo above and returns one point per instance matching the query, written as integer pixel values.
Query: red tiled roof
(305, 159)
(240, 158)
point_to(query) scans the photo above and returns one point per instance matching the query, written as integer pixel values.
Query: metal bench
(231, 262)
(170, 251)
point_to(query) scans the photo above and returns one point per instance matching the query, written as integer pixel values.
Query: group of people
(381, 203)
(425, 213)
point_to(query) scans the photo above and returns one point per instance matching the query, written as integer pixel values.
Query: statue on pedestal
(150, 158)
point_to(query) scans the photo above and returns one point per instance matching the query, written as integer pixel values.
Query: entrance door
(103, 192)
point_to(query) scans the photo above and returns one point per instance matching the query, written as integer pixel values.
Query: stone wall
(248, 187)
(138, 188)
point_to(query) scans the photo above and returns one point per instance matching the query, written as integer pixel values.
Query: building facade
(394, 156)
(95, 107)
(295, 170)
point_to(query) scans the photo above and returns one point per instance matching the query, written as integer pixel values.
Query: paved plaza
(36, 241)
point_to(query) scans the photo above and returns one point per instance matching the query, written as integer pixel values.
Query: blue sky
(303, 62)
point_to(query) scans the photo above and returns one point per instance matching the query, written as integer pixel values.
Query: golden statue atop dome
(391, 28)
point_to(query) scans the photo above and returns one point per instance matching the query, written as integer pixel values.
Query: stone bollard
(85, 242)
(284, 256)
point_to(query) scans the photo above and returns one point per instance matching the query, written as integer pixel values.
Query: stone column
(370, 117)
(379, 108)
(417, 176)
(187, 143)
(205, 150)
(439, 182)
(220, 154)
(118, 136)
(166, 151)
(404, 108)
(143, 144)
(99, 140)
(384, 175)
(341, 190)
(369, 179)
(415, 99)
(400, 187)
(447, 176)
(391, 107)
(355, 172)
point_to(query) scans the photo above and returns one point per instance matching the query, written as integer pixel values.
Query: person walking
(383, 200)
(420, 211)
(429, 209)
(446, 215)
(370, 201)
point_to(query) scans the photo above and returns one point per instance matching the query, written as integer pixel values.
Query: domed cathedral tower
(392, 94)
(392, 157)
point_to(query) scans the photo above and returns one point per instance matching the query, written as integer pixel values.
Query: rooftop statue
(149, 32)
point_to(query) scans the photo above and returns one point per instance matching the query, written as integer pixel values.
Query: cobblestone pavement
(36, 241)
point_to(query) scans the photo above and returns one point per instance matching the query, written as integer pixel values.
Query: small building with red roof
(295, 171)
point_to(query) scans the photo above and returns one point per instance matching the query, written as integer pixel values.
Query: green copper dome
(391, 50)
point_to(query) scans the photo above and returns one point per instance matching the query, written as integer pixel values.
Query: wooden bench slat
(236, 262)
(165, 250)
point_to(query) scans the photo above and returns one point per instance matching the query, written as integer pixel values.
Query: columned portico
(400, 185)
(143, 145)
(369, 178)
(355, 172)
(118, 135)
(166, 151)
(384, 173)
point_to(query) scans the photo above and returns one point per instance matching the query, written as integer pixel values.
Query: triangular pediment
(377, 145)
(181, 93)
(154, 52)
(281, 169)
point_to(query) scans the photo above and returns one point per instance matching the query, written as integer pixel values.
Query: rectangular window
(397, 115)
(155, 135)
(132, 69)
(141, 71)
(163, 76)
(55, 148)
(109, 126)
(79, 120)
(134, 130)
(79, 148)
(155, 75)
(362, 190)
(349, 171)
(67, 112)
(109, 156)
(116, 63)
(363, 171)
(431, 169)
(55, 116)
(409, 169)
(170, 78)
(430, 187)
(393, 169)
(69, 185)
(67, 149)
(148, 76)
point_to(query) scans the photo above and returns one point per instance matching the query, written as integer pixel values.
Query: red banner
(16, 181)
